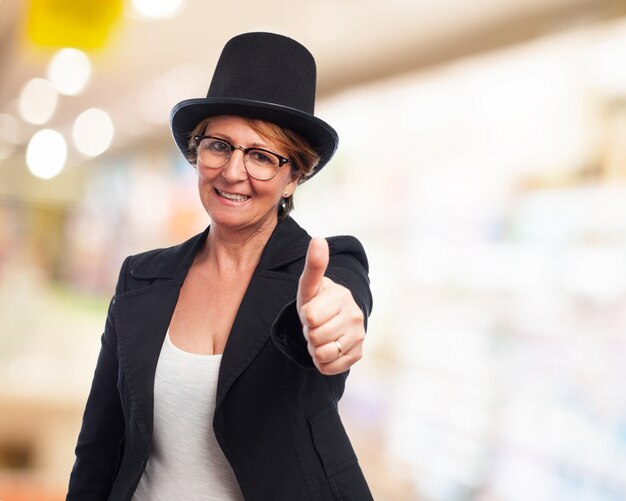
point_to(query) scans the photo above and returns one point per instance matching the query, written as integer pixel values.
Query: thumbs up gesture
(331, 320)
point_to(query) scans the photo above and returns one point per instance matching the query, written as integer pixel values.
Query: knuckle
(358, 322)
(314, 338)
(357, 314)
(323, 368)
(360, 336)
(309, 317)
(306, 315)
(319, 354)
(324, 371)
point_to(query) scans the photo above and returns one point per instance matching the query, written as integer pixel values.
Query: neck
(235, 250)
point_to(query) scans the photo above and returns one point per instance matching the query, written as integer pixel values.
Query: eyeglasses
(260, 164)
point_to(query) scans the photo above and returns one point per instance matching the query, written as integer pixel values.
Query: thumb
(314, 269)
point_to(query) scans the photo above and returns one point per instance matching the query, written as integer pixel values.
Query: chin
(240, 221)
(235, 220)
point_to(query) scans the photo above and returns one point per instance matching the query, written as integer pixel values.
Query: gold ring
(339, 350)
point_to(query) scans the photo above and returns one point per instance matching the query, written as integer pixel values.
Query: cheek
(204, 187)
(201, 180)
(205, 176)
(273, 193)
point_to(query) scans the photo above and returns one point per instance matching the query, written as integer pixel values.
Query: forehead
(242, 129)
(230, 125)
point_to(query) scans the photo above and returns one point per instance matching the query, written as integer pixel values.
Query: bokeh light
(46, 154)
(93, 132)
(157, 9)
(38, 101)
(69, 70)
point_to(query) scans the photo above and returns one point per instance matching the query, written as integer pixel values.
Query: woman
(223, 358)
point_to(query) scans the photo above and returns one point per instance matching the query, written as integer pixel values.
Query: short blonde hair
(302, 155)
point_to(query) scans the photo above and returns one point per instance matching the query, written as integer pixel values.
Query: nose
(235, 169)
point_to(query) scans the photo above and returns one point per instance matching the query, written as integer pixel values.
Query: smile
(235, 197)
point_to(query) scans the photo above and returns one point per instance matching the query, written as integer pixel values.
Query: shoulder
(162, 263)
(348, 245)
(290, 242)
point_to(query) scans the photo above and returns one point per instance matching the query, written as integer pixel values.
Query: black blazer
(276, 416)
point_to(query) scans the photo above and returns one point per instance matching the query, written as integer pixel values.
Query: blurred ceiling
(354, 41)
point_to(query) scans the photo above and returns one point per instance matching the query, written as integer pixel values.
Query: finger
(322, 307)
(314, 269)
(329, 352)
(327, 332)
(324, 354)
(342, 363)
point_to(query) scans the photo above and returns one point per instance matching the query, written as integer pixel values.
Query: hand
(332, 321)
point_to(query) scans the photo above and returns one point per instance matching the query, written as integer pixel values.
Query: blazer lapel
(142, 317)
(268, 292)
(142, 320)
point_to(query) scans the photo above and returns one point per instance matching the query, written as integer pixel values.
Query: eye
(215, 145)
(260, 157)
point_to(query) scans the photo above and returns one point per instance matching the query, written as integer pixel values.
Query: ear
(295, 174)
(293, 182)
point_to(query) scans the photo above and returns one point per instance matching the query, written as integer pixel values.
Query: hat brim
(189, 113)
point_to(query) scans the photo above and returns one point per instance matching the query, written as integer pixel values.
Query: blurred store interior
(482, 163)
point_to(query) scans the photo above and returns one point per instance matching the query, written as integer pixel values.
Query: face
(233, 199)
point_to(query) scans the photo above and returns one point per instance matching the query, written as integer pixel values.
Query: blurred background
(482, 163)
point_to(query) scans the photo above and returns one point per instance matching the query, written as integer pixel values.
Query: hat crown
(268, 68)
(262, 76)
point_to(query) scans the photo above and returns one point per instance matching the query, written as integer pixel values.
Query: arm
(100, 442)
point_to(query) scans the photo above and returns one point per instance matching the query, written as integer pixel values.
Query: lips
(235, 197)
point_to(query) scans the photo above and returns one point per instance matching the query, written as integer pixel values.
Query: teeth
(233, 196)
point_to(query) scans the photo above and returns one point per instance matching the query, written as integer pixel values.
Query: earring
(285, 195)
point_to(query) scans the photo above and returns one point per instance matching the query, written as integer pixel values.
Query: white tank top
(186, 461)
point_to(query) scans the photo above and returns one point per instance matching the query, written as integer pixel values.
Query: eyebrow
(229, 139)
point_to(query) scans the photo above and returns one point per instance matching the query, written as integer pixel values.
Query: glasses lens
(261, 165)
(214, 153)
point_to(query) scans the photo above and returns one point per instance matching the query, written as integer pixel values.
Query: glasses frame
(281, 160)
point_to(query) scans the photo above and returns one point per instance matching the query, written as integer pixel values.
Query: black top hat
(264, 76)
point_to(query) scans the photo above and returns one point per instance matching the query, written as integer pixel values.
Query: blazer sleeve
(348, 266)
(100, 442)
